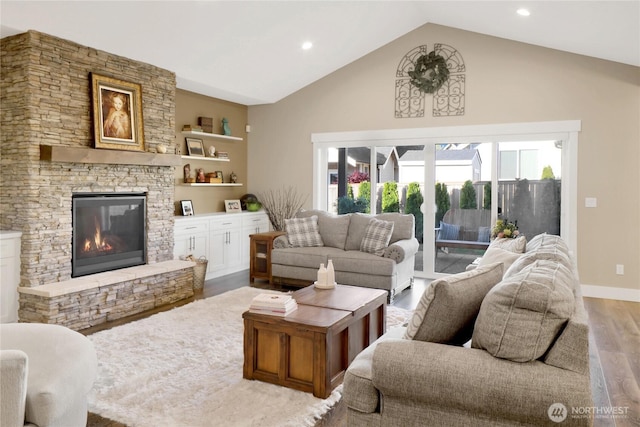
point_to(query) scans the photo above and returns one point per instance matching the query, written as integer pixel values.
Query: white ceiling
(249, 51)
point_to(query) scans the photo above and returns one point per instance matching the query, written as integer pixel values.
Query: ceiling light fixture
(307, 45)
(523, 12)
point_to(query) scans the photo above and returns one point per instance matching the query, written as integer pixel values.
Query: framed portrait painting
(117, 114)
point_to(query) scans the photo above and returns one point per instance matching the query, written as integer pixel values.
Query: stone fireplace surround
(46, 102)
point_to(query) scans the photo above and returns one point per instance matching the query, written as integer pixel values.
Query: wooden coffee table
(311, 348)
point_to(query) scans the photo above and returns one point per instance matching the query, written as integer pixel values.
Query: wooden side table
(260, 253)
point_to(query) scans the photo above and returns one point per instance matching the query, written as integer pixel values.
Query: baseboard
(623, 294)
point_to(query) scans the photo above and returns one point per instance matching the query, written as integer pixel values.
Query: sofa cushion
(521, 317)
(363, 263)
(448, 308)
(403, 225)
(545, 240)
(495, 254)
(514, 245)
(357, 229)
(377, 236)
(448, 231)
(484, 234)
(303, 232)
(555, 254)
(334, 229)
(309, 258)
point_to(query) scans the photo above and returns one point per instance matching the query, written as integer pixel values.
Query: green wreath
(429, 73)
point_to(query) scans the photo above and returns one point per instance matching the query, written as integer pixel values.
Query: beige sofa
(47, 372)
(341, 241)
(527, 362)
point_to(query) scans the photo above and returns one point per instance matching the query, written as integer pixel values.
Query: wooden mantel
(58, 153)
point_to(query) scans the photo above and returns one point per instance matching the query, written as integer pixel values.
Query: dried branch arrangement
(281, 204)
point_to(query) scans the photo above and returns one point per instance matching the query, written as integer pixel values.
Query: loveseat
(47, 372)
(527, 362)
(373, 251)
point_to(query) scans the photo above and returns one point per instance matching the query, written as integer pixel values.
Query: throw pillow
(448, 231)
(357, 228)
(303, 232)
(521, 317)
(493, 255)
(484, 234)
(333, 230)
(377, 237)
(514, 245)
(448, 308)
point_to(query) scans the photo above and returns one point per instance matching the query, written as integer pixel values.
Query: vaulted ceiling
(250, 52)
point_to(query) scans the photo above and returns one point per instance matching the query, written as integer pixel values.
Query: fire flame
(98, 244)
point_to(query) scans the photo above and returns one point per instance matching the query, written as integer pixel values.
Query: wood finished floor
(615, 326)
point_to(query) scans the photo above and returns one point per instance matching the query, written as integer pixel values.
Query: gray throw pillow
(357, 228)
(303, 232)
(521, 317)
(334, 229)
(448, 308)
(377, 237)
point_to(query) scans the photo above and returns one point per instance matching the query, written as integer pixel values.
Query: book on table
(279, 305)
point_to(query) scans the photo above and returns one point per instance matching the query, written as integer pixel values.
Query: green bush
(390, 200)
(348, 205)
(468, 196)
(486, 203)
(547, 173)
(350, 191)
(443, 202)
(364, 192)
(414, 201)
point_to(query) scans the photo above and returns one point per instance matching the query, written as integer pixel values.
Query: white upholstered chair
(47, 372)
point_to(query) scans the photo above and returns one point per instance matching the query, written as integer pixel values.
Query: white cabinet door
(10, 273)
(225, 245)
(191, 238)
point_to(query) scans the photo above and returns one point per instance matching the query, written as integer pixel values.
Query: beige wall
(506, 82)
(190, 106)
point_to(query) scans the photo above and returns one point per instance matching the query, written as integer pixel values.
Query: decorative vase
(225, 127)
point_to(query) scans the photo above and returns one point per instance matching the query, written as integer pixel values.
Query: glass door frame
(565, 131)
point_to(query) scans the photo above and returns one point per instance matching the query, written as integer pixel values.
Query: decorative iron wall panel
(447, 101)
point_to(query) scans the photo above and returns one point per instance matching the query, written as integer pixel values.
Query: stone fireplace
(108, 232)
(46, 110)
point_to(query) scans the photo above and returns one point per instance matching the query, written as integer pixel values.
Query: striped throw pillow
(303, 232)
(377, 237)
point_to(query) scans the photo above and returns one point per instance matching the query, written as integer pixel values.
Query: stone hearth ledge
(107, 278)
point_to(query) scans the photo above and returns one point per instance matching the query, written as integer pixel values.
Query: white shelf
(206, 184)
(211, 159)
(211, 135)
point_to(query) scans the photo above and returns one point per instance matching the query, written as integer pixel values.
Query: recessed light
(307, 45)
(523, 12)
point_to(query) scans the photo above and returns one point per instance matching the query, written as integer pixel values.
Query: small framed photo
(195, 147)
(232, 206)
(117, 114)
(219, 175)
(187, 207)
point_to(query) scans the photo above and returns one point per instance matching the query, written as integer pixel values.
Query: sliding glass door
(456, 187)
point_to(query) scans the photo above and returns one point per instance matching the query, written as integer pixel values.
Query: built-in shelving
(211, 159)
(211, 135)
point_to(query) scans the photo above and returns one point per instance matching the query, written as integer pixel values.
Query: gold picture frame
(117, 114)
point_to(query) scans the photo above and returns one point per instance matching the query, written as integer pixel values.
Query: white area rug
(183, 368)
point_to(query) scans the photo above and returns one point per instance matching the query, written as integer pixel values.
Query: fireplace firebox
(109, 232)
